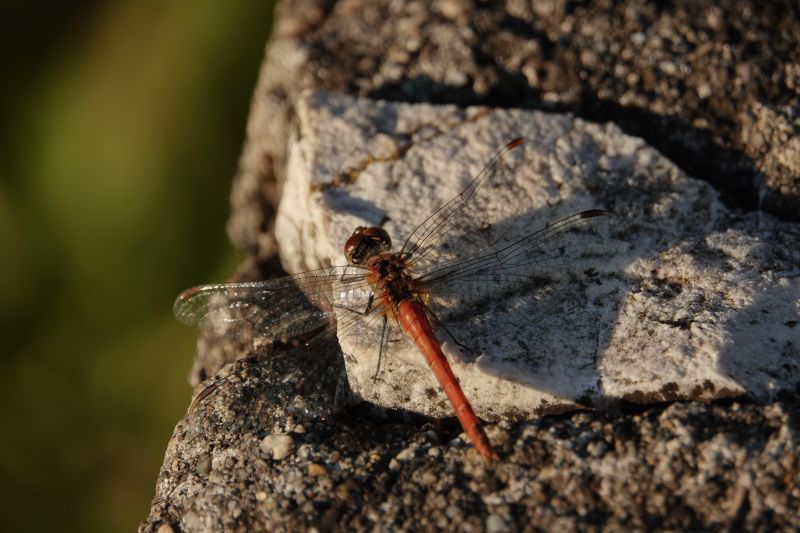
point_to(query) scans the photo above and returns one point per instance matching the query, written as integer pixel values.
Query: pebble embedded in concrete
(279, 446)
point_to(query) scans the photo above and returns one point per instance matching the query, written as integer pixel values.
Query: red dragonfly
(438, 267)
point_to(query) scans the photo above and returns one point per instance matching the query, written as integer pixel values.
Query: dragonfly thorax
(365, 243)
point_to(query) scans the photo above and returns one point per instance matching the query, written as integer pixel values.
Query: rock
(496, 524)
(278, 446)
(714, 88)
(681, 290)
(315, 469)
(686, 258)
(728, 465)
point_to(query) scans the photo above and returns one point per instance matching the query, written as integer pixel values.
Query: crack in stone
(351, 174)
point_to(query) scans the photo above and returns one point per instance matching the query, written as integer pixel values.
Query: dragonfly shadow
(533, 323)
(538, 349)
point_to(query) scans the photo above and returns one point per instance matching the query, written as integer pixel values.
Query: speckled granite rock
(713, 88)
(681, 467)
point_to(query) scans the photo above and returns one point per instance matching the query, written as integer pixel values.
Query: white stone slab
(696, 301)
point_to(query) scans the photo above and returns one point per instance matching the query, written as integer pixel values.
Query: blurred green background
(121, 124)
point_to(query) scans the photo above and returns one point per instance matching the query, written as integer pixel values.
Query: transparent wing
(461, 215)
(285, 333)
(276, 309)
(542, 258)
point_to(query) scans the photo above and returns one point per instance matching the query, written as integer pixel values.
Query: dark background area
(122, 122)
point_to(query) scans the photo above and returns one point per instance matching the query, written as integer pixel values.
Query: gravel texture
(684, 467)
(713, 88)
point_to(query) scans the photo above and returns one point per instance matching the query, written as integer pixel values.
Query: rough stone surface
(715, 87)
(712, 87)
(682, 467)
(689, 270)
(686, 291)
(278, 446)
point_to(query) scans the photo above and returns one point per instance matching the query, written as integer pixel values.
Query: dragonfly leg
(382, 347)
(367, 310)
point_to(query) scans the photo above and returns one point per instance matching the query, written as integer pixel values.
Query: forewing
(542, 260)
(276, 309)
(465, 214)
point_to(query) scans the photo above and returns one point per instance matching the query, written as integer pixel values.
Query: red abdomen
(414, 321)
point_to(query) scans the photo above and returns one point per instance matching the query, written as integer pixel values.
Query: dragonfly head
(365, 243)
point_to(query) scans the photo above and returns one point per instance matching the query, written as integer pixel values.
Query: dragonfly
(439, 268)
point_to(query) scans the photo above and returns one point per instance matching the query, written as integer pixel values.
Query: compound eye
(364, 243)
